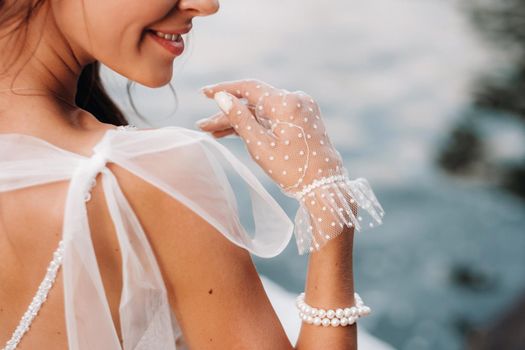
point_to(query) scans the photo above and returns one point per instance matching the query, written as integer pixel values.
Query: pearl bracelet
(339, 317)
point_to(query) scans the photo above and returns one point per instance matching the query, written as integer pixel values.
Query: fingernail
(224, 100)
(202, 122)
(207, 88)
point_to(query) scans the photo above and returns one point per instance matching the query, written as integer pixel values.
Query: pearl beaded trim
(338, 317)
(127, 127)
(318, 183)
(38, 299)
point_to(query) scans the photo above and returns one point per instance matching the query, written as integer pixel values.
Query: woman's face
(118, 33)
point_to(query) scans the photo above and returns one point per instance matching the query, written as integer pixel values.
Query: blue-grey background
(409, 94)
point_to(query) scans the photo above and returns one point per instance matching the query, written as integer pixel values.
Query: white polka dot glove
(285, 134)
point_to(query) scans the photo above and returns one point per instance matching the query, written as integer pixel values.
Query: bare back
(31, 221)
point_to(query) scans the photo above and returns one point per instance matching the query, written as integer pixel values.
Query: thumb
(240, 116)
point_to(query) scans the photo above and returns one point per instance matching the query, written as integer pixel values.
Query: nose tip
(201, 7)
(212, 7)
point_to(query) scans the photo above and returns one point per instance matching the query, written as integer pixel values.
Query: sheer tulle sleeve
(196, 169)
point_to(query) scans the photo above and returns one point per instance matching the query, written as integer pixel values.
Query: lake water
(391, 77)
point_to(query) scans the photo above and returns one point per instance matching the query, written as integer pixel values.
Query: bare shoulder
(214, 288)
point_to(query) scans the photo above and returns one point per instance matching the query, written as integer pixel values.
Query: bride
(115, 237)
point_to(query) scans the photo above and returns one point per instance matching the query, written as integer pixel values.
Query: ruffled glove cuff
(330, 204)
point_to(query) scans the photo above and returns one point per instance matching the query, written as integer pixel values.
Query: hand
(283, 131)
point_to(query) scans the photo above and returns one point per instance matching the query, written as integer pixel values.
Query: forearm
(329, 285)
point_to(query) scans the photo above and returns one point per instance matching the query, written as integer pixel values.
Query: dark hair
(91, 94)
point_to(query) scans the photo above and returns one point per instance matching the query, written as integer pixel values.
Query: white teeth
(170, 37)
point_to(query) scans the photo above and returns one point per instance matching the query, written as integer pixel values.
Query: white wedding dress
(189, 165)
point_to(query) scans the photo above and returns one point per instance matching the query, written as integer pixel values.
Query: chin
(155, 79)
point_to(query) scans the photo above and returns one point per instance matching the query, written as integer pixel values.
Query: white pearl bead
(325, 322)
(330, 313)
(344, 321)
(309, 319)
(335, 322)
(365, 310)
(321, 313)
(339, 312)
(317, 321)
(347, 312)
(306, 309)
(313, 312)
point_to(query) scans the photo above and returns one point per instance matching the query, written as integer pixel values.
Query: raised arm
(214, 288)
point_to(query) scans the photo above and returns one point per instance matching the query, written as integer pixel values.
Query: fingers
(218, 125)
(241, 117)
(250, 89)
(224, 133)
(218, 121)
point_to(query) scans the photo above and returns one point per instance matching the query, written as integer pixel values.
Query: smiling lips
(167, 36)
(171, 41)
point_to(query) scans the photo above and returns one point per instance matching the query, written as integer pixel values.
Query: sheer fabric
(190, 166)
(285, 134)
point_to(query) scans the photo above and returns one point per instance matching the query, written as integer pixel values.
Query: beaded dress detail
(166, 158)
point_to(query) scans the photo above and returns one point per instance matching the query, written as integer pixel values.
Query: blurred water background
(421, 97)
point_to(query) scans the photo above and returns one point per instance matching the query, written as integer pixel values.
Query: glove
(285, 135)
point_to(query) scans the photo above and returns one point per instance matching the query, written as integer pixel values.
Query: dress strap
(38, 299)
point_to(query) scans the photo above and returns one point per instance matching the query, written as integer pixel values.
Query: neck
(50, 66)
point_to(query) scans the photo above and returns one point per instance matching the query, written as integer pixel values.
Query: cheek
(135, 55)
(116, 37)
